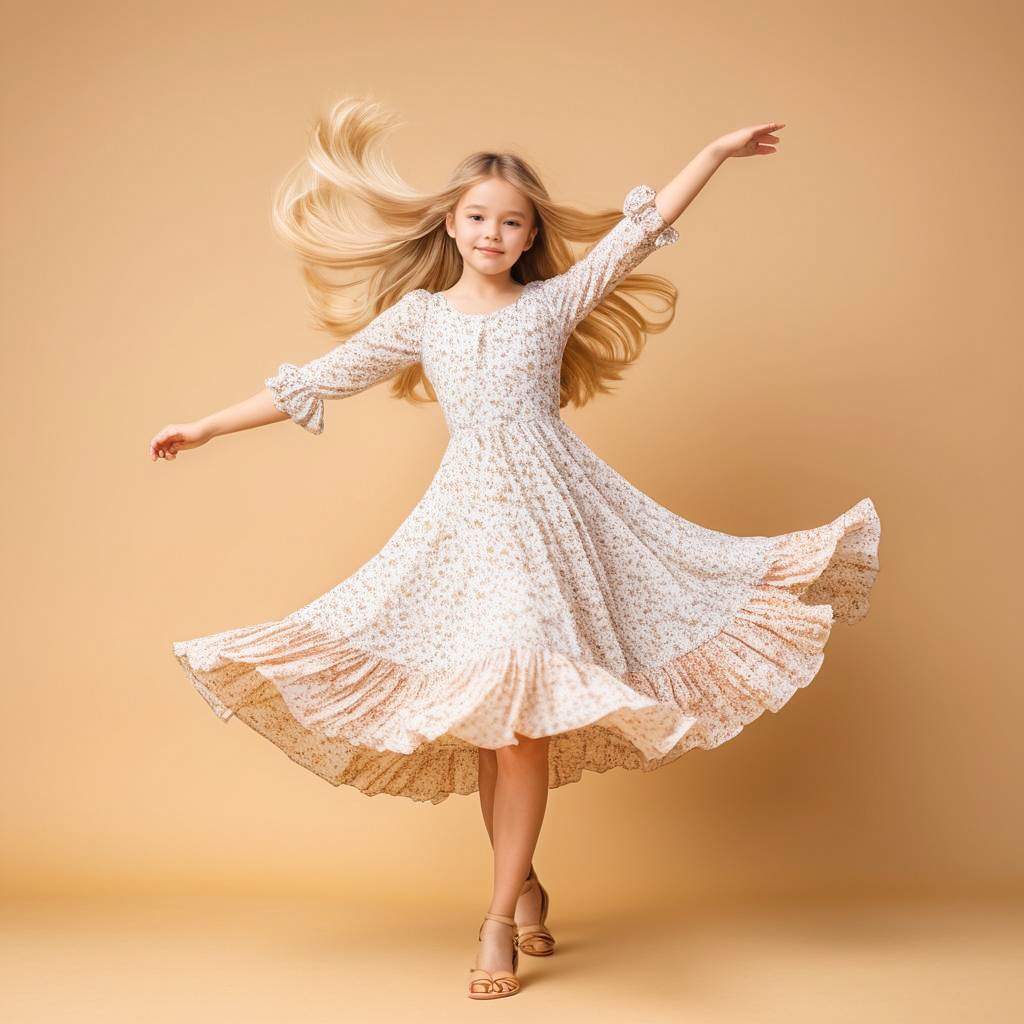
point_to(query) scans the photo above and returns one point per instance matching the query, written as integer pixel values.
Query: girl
(535, 616)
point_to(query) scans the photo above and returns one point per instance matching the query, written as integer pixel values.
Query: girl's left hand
(747, 141)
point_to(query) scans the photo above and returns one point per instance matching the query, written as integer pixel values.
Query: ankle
(501, 912)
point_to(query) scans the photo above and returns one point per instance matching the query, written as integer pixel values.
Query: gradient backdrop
(847, 326)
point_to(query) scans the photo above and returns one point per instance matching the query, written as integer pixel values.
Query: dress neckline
(493, 312)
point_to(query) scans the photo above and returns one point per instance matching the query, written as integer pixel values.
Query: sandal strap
(531, 879)
(526, 930)
(503, 918)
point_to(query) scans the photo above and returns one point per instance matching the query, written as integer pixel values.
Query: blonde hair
(407, 247)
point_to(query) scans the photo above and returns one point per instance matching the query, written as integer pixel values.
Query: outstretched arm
(677, 195)
(390, 342)
(387, 344)
(250, 412)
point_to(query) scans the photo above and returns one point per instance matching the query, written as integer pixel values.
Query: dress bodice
(489, 369)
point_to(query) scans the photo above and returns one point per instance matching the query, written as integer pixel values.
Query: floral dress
(532, 589)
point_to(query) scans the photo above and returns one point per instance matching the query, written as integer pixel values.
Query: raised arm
(645, 227)
(677, 195)
(572, 294)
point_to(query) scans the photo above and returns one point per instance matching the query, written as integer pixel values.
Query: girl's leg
(488, 772)
(528, 906)
(520, 795)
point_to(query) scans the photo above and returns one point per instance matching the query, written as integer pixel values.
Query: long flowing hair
(355, 222)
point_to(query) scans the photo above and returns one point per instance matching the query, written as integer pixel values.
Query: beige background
(847, 327)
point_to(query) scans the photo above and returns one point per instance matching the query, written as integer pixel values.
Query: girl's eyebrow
(477, 206)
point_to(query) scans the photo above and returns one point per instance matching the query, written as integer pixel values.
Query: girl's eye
(514, 223)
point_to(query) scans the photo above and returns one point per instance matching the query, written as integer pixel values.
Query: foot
(528, 905)
(534, 937)
(495, 947)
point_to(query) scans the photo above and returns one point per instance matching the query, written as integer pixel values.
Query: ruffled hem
(355, 718)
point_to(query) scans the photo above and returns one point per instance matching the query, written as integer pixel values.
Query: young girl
(535, 616)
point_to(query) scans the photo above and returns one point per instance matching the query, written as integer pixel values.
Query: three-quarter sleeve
(575, 292)
(388, 343)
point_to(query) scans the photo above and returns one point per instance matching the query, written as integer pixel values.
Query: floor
(231, 959)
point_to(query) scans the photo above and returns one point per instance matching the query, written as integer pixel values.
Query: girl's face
(492, 224)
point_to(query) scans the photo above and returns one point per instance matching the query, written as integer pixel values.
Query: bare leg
(528, 905)
(488, 772)
(519, 799)
(488, 777)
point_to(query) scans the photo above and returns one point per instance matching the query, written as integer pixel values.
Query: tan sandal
(535, 939)
(499, 983)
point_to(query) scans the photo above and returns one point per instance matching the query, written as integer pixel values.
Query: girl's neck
(480, 294)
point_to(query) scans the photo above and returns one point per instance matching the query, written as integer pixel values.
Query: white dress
(532, 588)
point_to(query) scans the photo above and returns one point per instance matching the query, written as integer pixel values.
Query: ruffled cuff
(639, 205)
(293, 394)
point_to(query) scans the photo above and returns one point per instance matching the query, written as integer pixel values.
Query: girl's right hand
(177, 437)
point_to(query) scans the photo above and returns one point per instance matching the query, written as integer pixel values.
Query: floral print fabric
(532, 589)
